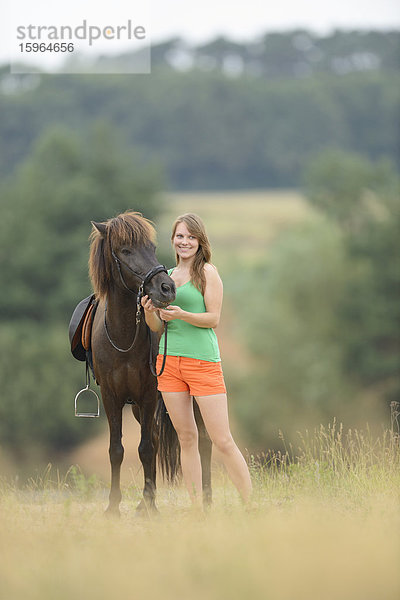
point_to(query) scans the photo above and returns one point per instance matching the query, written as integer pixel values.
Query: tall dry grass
(326, 527)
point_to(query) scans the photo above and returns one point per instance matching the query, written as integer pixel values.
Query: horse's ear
(101, 228)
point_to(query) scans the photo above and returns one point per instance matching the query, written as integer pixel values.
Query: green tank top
(184, 339)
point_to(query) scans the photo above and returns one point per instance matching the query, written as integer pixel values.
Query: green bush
(292, 332)
(39, 380)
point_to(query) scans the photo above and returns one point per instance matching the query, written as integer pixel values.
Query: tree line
(297, 54)
(209, 130)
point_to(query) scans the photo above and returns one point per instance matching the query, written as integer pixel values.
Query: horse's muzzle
(159, 304)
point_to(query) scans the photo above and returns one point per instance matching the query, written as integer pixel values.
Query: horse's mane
(127, 229)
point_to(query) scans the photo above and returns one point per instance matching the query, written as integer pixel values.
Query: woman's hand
(147, 304)
(171, 312)
(151, 315)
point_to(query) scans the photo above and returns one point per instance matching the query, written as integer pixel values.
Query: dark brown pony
(122, 253)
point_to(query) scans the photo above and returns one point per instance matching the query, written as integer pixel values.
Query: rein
(143, 281)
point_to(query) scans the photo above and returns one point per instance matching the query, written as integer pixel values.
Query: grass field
(325, 526)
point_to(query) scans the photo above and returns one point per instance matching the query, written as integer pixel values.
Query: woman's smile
(185, 244)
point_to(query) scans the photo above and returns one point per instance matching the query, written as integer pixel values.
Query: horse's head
(122, 253)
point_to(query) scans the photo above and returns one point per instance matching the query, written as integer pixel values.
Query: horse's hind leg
(147, 454)
(116, 451)
(205, 448)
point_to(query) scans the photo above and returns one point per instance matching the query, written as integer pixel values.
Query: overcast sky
(202, 20)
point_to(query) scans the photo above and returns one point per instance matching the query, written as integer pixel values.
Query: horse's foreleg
(116, 451)
(205, 448)
(147, 454)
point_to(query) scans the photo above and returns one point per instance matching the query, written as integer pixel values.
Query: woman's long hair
(203, 255)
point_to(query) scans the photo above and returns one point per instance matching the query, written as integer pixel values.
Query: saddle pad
(87, 327)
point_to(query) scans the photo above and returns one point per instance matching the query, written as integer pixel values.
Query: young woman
(193, 366)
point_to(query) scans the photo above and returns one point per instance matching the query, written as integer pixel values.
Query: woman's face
(184, 243)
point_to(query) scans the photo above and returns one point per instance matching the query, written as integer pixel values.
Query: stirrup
(87, 389)
(87, 414)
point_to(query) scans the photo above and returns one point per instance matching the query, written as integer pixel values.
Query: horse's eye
(125, 251)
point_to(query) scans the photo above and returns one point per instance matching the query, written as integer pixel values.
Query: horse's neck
(121, 312)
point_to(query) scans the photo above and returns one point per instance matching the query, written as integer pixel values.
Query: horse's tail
(169, 454)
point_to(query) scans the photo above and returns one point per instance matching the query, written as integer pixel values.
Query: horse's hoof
(146, 510)
(207, 504)
(112, 513)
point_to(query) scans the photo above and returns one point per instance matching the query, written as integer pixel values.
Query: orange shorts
(198, 377)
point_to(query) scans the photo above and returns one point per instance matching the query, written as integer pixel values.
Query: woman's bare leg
(214, 410)
(180, 409)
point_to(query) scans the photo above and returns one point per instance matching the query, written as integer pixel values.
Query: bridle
(143, 279)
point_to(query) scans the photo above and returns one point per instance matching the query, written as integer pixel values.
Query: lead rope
(152, 368)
